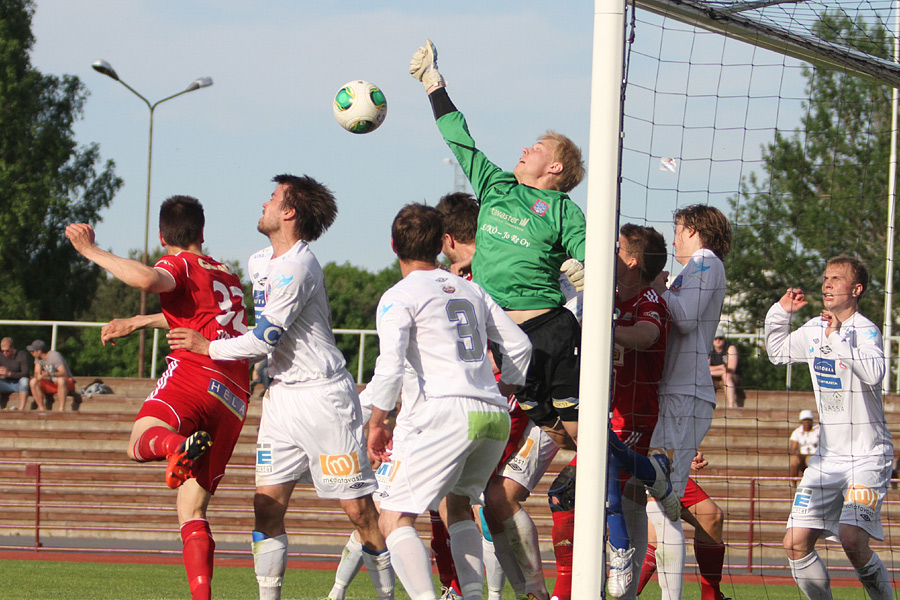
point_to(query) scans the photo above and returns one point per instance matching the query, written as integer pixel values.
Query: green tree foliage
(353, 294)
(822, 191)
(46, 181)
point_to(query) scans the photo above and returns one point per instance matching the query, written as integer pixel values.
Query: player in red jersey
(197, 400)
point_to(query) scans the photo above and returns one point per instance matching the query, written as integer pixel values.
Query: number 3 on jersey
(230, 296)
(470, 347)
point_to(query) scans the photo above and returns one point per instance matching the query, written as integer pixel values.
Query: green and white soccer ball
(360, 107)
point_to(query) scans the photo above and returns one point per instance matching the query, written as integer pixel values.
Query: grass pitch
(48, 580)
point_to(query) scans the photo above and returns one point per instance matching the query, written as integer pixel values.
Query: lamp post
(103, 67)
(459, 179)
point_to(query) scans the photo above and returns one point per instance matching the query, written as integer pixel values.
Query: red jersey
(635, 403)
(208, 298)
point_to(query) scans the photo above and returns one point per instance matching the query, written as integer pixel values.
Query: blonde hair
(566, 152)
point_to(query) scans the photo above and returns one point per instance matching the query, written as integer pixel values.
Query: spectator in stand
(804, 443)
(13, 372)
(261, 376)
(52, 376)
(725, 368)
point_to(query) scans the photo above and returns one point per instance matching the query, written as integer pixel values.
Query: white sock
(636, 523)
(876, 580)
(351, 562)
(411, 562)
(269, 563)
(495, 577)
(380, 572)
(669, 551)
(465, 546)
(811, 576)
(507, 559)
(523, 537)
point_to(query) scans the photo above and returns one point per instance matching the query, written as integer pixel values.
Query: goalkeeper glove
(574, 270)
(423, 66)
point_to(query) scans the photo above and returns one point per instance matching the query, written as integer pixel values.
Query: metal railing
(745, 500)
(55, 325)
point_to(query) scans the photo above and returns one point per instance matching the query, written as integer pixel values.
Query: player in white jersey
(686, 393)
(311, 428)
(842, 489)
(449, 440)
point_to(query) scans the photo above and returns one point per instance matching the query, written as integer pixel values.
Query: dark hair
(710, 224)
(459, 211)
(649, 246)
(418, 233)
(857, 268)
(181, 221)
(313, 203)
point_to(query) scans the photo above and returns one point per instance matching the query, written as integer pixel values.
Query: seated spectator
(13, 372)
(804, 443)
(51, 376)
(725, 368)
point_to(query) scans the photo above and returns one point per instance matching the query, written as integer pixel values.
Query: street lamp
(103, 67)
(459, 179)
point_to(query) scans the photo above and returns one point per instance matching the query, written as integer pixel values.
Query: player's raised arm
(131, 272)
(119, 328)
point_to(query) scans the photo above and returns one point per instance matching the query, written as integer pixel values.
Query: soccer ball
(360, 107)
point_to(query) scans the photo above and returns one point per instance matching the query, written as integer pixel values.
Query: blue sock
(615, 520)
(631, 461)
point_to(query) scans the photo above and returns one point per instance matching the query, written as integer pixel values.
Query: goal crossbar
(731, 21)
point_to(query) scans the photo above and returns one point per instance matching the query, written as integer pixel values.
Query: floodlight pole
(887, 327)
(103, 67)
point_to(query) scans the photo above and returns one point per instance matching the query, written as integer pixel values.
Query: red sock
(648, 568)
(710, 558)
(440, 545)
(156, 444)
(563, 534)
(198, 550)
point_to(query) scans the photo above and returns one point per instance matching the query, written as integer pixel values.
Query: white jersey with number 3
(441, 324)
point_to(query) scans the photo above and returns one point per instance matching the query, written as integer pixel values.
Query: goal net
(779, 114)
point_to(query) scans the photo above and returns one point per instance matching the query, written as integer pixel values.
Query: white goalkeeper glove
(423, 66)
(574, 270)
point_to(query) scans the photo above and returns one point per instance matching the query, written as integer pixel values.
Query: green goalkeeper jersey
(524, 234)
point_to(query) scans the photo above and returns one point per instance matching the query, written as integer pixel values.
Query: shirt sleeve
(693, 290)
(515, 347)
(480, 171)
(783, 346)
(394, 321)
(574, 228)
(861, 347)
(289, 289)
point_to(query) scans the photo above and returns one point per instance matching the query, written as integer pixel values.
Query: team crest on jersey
(540, 208)
(448, 289)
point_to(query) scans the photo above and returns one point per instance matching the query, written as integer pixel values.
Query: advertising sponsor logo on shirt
(801, 501)
(340, 468)
(263, 458)
(823, 365)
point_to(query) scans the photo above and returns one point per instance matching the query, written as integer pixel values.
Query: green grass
(47, 580)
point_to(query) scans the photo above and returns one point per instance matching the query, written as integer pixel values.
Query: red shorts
(693, 494)
(49, 386)
(191, 398)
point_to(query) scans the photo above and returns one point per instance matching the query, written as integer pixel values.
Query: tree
(353, 294)
(823, 190)
(46, 181)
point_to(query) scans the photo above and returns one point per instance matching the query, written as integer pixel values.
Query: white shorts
(451, 445)
(835, 493)
(682, 425)
(530, 462)
(314, 434)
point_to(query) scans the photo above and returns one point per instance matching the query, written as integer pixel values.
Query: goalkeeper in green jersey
(528, 231)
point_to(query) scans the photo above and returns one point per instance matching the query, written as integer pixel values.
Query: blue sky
(514, 68)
